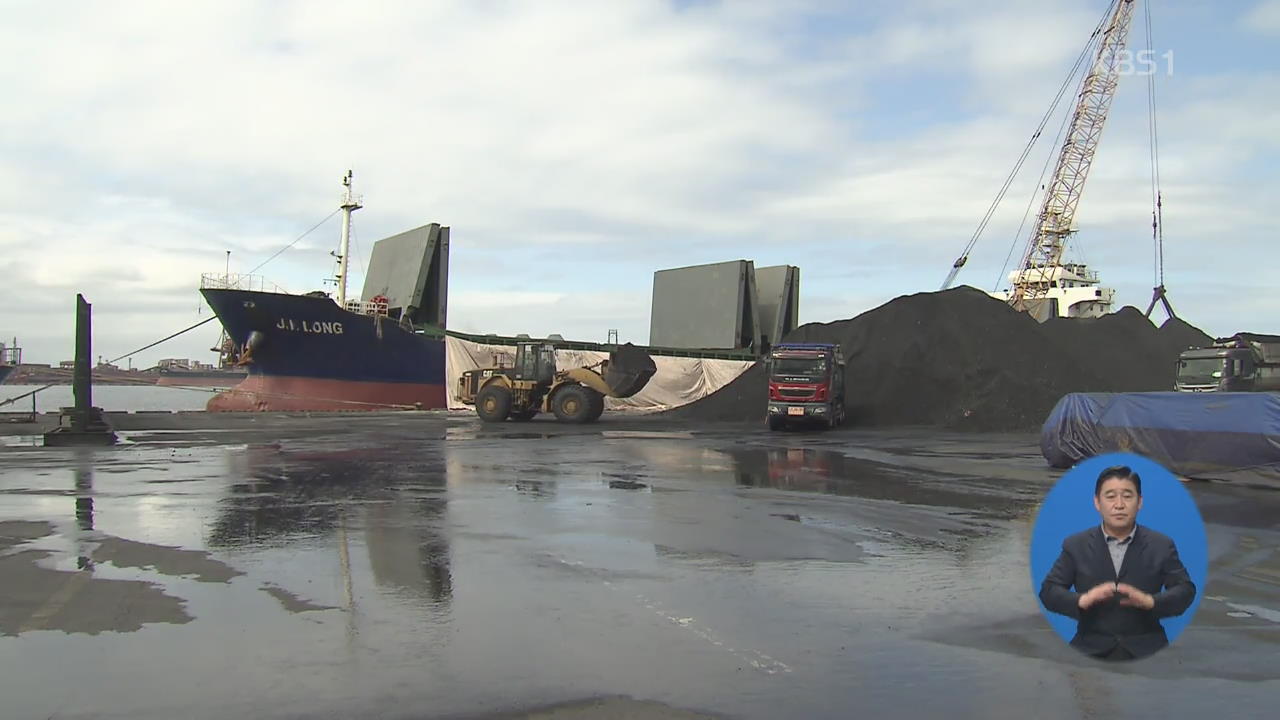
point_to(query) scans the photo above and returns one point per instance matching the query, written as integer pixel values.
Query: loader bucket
(628, 370)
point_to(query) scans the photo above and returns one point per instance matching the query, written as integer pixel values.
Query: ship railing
(1082, 272)
(361, 307)
(238, 281)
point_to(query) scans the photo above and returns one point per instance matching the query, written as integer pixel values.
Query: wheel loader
(535, 385)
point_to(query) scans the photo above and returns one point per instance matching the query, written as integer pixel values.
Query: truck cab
(806, 385)
(1214, 370)
(1245, 362)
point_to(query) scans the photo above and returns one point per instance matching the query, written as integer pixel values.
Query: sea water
(127, 398)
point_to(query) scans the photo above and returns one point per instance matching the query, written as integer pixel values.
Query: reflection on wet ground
(437, 568)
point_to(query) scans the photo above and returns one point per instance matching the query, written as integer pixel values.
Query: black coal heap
(964, 360)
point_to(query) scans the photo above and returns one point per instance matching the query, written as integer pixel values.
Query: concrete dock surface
(423, 565)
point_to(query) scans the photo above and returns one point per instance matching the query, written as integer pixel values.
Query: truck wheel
(572, 403)
(524, 415)
(493, 403)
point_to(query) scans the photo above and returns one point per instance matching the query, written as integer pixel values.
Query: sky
(575, 148)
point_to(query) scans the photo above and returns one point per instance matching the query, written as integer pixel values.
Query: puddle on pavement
(604, 707)
(163, 559)
(285, 494)
(76, 602)
(73, 601)
(18, 532)
(390, 502)
(292, 602)
(647, 434)
(830, 472)
(364, 500)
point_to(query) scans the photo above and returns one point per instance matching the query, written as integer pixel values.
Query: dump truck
(535, 385)
(806, 385)
(1244, 362)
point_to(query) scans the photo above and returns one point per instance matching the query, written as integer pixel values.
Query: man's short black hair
(1124, 472)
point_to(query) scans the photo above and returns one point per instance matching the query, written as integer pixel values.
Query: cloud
(1264, 18)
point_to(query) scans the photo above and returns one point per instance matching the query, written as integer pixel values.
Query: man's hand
(1133, 597)
(1099, 593)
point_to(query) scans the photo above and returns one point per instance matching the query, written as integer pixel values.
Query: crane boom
(1048, 241)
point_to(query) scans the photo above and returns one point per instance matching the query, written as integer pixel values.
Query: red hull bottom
(289, 394)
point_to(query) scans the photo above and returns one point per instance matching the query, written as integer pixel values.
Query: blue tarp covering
(1192, 434)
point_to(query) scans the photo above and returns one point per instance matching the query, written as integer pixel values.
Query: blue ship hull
(303, 352)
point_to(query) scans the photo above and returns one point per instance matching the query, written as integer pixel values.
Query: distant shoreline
(44, 375)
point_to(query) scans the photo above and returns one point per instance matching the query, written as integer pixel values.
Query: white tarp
(677, 382)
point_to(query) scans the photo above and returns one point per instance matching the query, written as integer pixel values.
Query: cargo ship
(314, 352)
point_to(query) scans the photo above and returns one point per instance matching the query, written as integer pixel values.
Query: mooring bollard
(82, 424)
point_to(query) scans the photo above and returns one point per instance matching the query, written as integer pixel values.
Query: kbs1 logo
(1143, 62)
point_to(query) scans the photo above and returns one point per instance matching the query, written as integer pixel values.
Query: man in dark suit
(1117, 580)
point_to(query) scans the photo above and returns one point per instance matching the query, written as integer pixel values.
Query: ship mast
(350, 203)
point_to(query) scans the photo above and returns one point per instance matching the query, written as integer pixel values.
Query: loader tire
(597, 405)
(572, 403)
(493, 403)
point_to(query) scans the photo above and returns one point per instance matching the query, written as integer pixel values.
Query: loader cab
(536, 362)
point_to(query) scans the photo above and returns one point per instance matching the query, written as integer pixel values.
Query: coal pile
(962, 359)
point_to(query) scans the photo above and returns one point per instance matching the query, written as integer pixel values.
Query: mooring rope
(148, 347)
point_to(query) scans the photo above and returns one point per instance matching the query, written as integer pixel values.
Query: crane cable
(1031, 201)
(211, 318)
(1089, 50)
(1157, 210)
(1067, 83)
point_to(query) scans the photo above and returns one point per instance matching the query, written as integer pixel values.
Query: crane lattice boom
(1048, 242)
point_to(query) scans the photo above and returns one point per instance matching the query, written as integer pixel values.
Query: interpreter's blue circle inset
(1167, 507)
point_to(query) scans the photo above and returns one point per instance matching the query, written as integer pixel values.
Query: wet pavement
(424, 565)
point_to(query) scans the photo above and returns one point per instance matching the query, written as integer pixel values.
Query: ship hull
(307, 354)
(4, 372)
(198, 379)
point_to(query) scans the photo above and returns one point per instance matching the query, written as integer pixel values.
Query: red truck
(806, 385)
